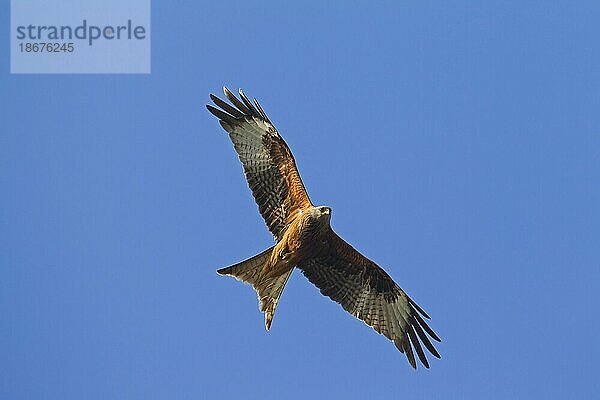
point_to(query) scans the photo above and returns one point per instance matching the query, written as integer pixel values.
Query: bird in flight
(304, 238)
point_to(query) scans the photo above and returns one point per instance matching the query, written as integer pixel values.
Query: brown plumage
(304, 238)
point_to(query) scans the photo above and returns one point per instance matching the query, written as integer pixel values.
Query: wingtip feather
(222, 115)
(423, 324)
(236, 102)
(417, 346)
(253, 111)
(419, 309)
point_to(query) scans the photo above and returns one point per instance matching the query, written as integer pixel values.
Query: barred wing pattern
(366, 291)
(268, 163)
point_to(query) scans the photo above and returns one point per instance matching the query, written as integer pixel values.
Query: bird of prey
(305, 239)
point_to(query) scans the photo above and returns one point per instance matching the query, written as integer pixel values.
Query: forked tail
(268, 288)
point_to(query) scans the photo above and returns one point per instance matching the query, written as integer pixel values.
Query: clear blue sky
(458, 145)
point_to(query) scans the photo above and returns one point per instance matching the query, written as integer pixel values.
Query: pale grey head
(320, 216)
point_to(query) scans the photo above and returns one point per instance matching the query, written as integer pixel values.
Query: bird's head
(319, 217)
(323, 213)
(324, 210)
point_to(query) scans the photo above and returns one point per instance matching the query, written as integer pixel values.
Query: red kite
(305, 239)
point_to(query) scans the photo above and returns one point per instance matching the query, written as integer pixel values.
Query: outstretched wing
(366, 291)
(268, 162)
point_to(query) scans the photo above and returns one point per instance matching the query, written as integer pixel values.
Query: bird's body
(297, 243)
(304, 238)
